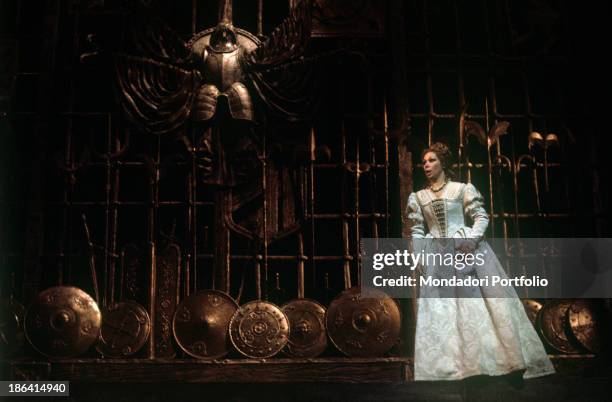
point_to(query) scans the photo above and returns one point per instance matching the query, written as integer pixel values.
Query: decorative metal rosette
(259, 329)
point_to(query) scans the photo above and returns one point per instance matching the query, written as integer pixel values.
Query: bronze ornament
(11, 327)
(259, 329)
(307, 337)
(583, 326)
(165, 298)
(532, 308)
(201, 322)
(361, 326)
(553, 328)
(125, 329)
(62, 321)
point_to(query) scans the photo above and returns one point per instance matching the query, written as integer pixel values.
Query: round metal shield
(532, 308)
(583, 325)
(11, 327)
(552, 325)
(307, 336)
(259, 329)
(62, 321)
(201, 324)
(363, 327)
(125, 329)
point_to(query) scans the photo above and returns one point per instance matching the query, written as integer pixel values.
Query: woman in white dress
(461, 337)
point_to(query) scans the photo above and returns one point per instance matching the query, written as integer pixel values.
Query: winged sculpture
(171, 81)
(223, 83)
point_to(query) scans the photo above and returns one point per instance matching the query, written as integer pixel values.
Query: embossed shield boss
(201, 324)
(259, 329)
(552, 325)
(125, 329)
(363, 327)
(62, 321)
(583, 326)
(307, 336)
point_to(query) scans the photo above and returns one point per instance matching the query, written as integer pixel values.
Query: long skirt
(458, 337)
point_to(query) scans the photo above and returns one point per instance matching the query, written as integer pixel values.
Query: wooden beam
(337, 369)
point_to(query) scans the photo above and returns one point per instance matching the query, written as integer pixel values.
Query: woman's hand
(465, 246)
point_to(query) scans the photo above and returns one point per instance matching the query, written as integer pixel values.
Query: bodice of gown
(445, 216)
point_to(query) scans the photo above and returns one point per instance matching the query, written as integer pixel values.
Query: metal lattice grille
(502, 61)
(138, 190)
(481, 66)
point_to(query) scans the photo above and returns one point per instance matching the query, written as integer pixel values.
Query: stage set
(185, 187)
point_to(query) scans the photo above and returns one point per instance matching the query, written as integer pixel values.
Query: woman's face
(432, 166)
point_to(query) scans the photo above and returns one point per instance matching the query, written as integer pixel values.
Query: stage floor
(584, 378)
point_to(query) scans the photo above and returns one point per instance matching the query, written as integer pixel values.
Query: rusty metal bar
(221, 243)
(191, 262)
(122, 274)
(191, 284)
(152, 298)
(367, 215)
(346, 258)
(152, 226)
(289, 258)
(386, 164)
(483, 166)
(92, 260)
(128, 203)
(379, 166)
(436, 115)
(430, 110)
(222, 208)
(311, 204)
(190, 253)
(356, 209)
(113, 224)
(264, 183)
(460, 84)
(300, 266)
(194, 15)
(257, 263)
(500, 116)
(107, 214)
(498, 162)
(259, 18)
(490, 172)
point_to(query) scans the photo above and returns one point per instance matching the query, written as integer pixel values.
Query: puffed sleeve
(415, 215)
(473, 206)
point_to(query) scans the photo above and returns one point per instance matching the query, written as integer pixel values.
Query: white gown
(461, 337)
